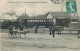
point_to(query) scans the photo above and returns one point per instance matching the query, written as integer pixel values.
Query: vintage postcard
(39, 25)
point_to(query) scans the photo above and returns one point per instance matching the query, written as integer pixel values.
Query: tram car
(38, 22)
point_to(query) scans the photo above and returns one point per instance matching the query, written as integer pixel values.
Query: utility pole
(25, 12)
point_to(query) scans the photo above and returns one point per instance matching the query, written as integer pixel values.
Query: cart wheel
(19, 35)
(10, 35)
(16, 35)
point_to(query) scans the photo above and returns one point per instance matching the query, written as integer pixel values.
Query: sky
(33, 9)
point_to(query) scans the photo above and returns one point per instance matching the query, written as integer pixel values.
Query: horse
(22, 32)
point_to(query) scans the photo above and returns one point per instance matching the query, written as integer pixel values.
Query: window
(40, 20)
(44, 20)
(29, 20)
(36, 20)
(32, 20)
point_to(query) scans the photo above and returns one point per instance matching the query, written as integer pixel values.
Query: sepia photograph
(39, 25)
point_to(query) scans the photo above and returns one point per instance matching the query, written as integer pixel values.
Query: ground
(40, 42)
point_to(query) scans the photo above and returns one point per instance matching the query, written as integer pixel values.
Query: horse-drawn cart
(16, 34)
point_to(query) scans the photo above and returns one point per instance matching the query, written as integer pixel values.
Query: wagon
(74, 26)
(16, 34)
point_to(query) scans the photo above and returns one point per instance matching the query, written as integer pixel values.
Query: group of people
(52, 30)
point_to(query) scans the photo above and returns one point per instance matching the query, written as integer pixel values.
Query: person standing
(50, 30)
(36, 29)
(53, 31)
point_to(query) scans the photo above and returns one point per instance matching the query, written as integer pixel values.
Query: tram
(38, 22)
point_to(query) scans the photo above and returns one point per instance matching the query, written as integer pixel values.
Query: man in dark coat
(53, 31)
(36, 29)
(50, 30)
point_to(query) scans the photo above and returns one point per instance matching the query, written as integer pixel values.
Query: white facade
(51, 17)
